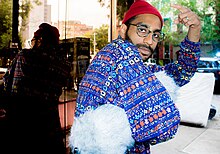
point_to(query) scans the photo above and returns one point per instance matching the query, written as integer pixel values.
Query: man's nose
(148, 39)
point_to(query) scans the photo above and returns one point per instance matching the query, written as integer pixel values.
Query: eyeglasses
(143, 31)
(31, 42)
(34, 41)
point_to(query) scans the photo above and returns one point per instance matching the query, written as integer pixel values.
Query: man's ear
(122, 31)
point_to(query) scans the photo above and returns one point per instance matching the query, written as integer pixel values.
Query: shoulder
(119, 49)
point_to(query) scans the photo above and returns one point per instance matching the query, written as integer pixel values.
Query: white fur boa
(105, 130)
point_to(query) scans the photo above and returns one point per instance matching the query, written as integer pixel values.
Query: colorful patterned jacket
(117, 75)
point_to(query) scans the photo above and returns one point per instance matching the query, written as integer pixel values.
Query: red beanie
(141, 7)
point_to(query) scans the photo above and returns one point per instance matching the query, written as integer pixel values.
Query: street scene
(110, 76)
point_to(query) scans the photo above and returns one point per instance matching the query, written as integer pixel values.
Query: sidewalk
(67, 108)
(194, 140)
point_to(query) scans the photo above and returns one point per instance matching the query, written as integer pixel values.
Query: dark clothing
(33, 86)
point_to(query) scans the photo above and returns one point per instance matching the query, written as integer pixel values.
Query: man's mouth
(144, 51)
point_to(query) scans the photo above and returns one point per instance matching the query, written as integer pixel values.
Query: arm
(14, 74)
(183, 69)
(189, 54)
(189, 19)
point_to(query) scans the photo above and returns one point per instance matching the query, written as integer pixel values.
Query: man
(34, 84)
(123, 105)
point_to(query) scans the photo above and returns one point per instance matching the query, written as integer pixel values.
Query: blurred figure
(33, 85)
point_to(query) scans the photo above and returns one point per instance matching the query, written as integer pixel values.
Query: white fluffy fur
(105, 130)
(168, 83)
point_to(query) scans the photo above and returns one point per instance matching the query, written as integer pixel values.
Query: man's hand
(189, 19)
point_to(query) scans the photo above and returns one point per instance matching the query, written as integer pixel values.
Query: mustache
(145, 46)
(138, 45)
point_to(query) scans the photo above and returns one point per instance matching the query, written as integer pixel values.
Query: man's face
(146, 45)
(35, 43)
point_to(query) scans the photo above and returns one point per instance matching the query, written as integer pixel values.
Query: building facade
(38, 14)
(42, 13)
(72, 29)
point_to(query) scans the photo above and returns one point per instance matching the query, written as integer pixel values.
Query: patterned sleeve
(186, 65)
(14, 74)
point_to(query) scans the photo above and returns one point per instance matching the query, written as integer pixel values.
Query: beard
(143, 46)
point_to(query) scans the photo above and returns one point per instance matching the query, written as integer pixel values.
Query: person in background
(124, 105)
(33, 85)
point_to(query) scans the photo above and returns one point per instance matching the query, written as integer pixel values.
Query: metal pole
(15, 24)
(58, 16)
(94, 44)
(113, 25)
(65, 108)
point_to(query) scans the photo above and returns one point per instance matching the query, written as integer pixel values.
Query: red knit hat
(141, 7)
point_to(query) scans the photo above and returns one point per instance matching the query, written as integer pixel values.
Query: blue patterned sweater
(117, 75)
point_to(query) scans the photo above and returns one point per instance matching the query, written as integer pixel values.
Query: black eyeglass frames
(143, 31)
